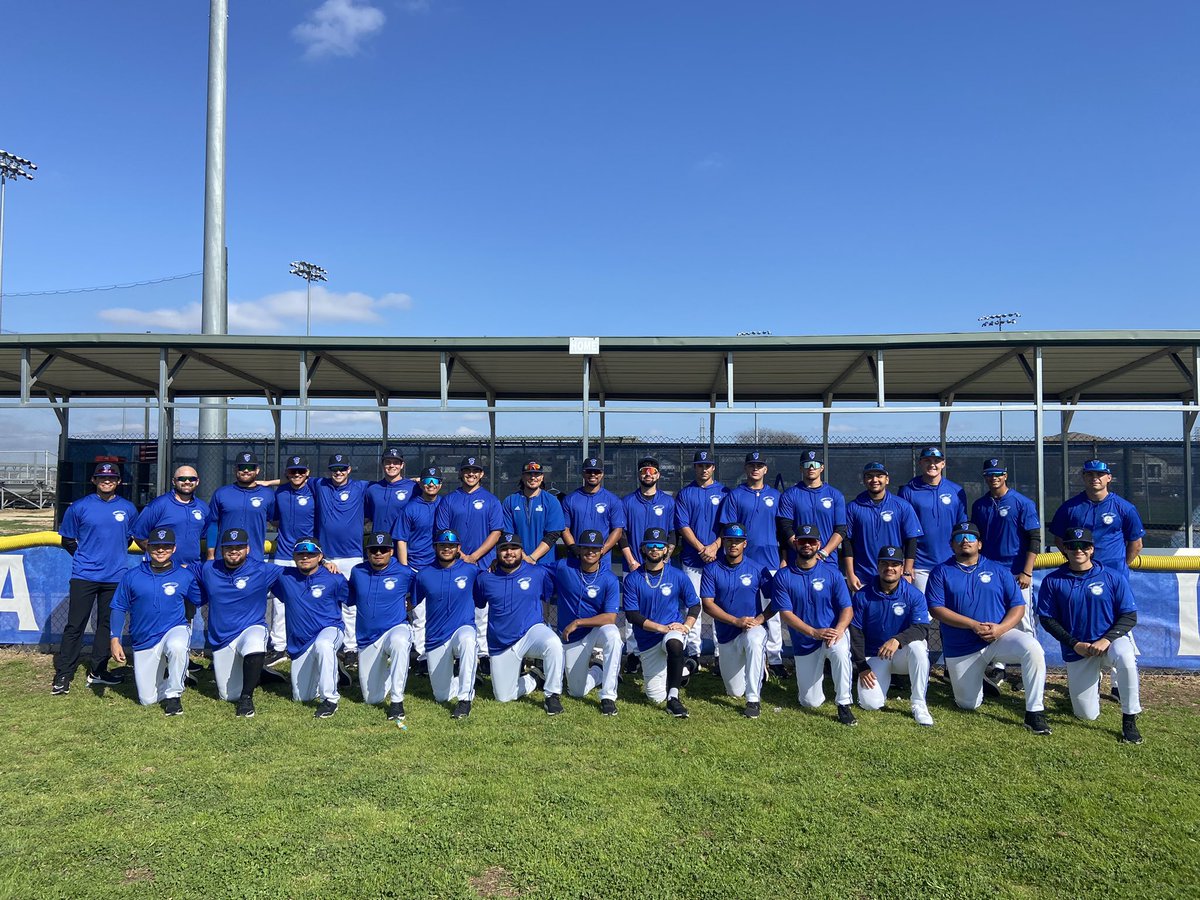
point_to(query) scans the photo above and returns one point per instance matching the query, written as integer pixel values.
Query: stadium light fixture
(310, 272)
(999, 320)
(760, 333)
(12, 167)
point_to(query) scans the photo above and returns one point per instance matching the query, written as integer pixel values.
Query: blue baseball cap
(1097, 465)
(875, 467)
(446, 536)
(733, 530)
(235, 537)
(994, 466)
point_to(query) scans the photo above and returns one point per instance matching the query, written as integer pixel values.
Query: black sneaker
(194, 666)
(395, 711)
(422, 668)
(462, 710)
(1036, 722)
(715, 668)
(632, 664)
(105, 678)
(553, 705)
(752, 710)
(190, 680)
(350, 659)
(245, 708)
(846, 716)
(325, 710)
(1129, 730)
(677, 709)
(172, 706)
(275, 657)
(484, 666)
(690, 666)
(1114, 692)
(779, 670)
(61, 685)
(992, 685)
(539, 678)
(608, 707)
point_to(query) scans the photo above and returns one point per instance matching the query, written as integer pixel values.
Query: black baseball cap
(994, 466)
(431, 472)
(755, 456)
(533, 467)
(811, 456)
(378, 539)
(393, 453)
(1078, 536)
(235, 537)
(107, 468)
(593, 464)
(889, 553)
(296, 462)
(965, 528)
(339, 461)
(808, 532)
(590, 538)
(703, 457)
(161, 537)
(246, 458)
(471, 462)
(647, 461)
(874, 467)
(509, 539)
(654, 536)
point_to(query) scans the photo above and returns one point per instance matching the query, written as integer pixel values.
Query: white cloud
(338, 28)
(713, 162)
(281, 313)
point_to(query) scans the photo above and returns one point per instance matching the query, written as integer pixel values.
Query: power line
(106, 287)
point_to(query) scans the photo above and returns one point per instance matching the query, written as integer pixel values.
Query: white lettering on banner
(1189, 615)
(12, 575)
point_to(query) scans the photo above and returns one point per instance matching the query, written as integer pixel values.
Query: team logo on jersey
(344, 496)
(478, 504)
(1096, 588)
(1107, 518)
(197, 515)
(524, 583)
(241, 583)
(302, 501)
(119, 515)
(170, 588)
(256, 502)
(535, 509)
(666, 590)
(898, 609)
(1003, 511)
(985, 577)
(400, 495)
(945, 498)
(601, 507)
(461, 582)
(818, 584)
(389, 584)
(658, 510)
(593, 592)
(746, 580)
(714, 500)
(827, 502)
(886, 515)
(317, 590)
(769, 501)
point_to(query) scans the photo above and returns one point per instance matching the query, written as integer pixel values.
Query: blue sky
(540, 168)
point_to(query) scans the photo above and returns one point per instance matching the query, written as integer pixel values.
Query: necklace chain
(654, 584)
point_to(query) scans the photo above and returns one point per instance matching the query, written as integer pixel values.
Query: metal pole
(587, 393)
(1038, 438)
(214, 317)
(2, 183)
(1189, 422)
(603, 426)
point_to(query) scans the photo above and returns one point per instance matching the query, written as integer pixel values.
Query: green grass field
(104, 798)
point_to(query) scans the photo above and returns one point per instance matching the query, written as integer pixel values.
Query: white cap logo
(170, 588)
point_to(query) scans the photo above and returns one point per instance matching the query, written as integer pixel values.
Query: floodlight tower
(12, 167)
(998, 320)
(310, 272)
(760, 333)
(214, 314)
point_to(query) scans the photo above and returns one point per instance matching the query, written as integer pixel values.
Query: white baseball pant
(481, 619)
(774, 645)
(540, 642)
(277, 613)
(227, 662)
(315, 671)
(743, 663)
(912, 658)
(349, 613)
(383, 666)
(810, 673)
(1014, 647)
(654, 666)
(696, 635)
(581, 676)
(446, 685)
(1083, 679)
(158, 671)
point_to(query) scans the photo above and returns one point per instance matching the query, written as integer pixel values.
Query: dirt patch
(136, 874)
(24, 521)
(494, 882)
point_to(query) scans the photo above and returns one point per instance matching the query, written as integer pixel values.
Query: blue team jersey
(601, 510)
(756, 510)
(473, 516)
(1114, 521)
(1003, 525)
(582, 596)
(387, 499)
(341, 512)
(646, 512)
(449, 598)
(939, 508)
(823, 506)
(103, 530)
(187, 520)
(379, 597)
(312, 603)
(872, 525)
(663, 598)
(816, 596)
(735, 589)
(296, 512)
(249, 509)
(236, 598)
(697, 508)
(415, 528)
(531, 517)
(1085, 603)
(880, 617)
(514, 602)
(154, 601)
(985, 593)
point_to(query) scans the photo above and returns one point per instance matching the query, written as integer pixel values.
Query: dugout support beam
(1039, 439)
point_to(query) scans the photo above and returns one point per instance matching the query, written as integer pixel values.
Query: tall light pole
(998, 321)
(214, 307)
(754, 334)
(310, 272)
(11, 168)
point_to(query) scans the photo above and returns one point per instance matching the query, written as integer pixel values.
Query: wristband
(822, 555)
(1027, 574)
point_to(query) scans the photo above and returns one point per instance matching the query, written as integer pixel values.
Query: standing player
(589, 596)
(811, 598)
(414, 547)
(447, 590)
(341, 514)
(180, 510)
(152, 593)
(730, 590)
(95, 531)
(515, 590)
(244, 504)
(296, 514)
(535, 515)
(378, 588)
(978, 605)
(1088, 608)
(754, 506)
(812, 500)
(662, 607)
(592, 507)
(696, 509)
(1010, 531)
(875, 519)
(313, 596)
(388, 496)
(235, 589)
(1113, 521)
(646, 507)
(940, 504)
(889, 635)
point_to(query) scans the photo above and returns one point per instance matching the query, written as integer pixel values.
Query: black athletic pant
(83, 596)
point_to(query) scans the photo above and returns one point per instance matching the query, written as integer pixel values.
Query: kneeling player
(589, 596)
(729, 590)
(447, 590)
(153, 594)
(661, 605)
(889, 636)
(378, 588)
(1089, 609)
(513, 591)
(979, 606)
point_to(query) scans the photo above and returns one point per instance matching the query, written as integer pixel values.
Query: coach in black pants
(96, 532)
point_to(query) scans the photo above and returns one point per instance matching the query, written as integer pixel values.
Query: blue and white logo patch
(256, 502)
(240, 583)
(1003, 511)
(658, 510)
(945, 498)
(1097, 588)
(818, 584)
(524, 583)
(344, 496)
(601, 507)
(478, 504)
(667, 590)
(169, 588)
(119, 515)
(1107, 518)
(985, 577)
(769, 501)
(886, 515)
(317, 590)
(898, 609)
(714, 500)
(746, 580)
(400, 495)
(197, 515)
(593, 591)
(389, 584)
(460, 582)
(827, 502)
(302, 501)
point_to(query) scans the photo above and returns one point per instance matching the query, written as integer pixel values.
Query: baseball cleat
(462, 710)
(275, 657)
(190, 680)
(845, 715)
(1114, 692)
(539, 678)
(395, 711)
(1036, 722)
(632, 664)
(484, 666)
(690, 665)
(608, 707)
(61, 685)
(752, 710)
(350, 659)
(553, 705)
(194, 666)
(245, 708)
(1129, 730)
(172, 706)
(677, 709)
(921, 713)
(325, 710)
(715, 668)
(778, 670)
(105, 678)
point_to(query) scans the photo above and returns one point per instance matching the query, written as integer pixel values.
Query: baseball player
(754, 505)
(978, 605)
(447, 590)
(812, 500)
(341, 514)
(1009, 530)
(731, 589)
(877, 518)
(388, 496)
(589, 596)
(1089, 609)
(647, 507)
(940, 504)
(314, 597)
(477, 517)
(95, 531)
(378, 588)
(889, 635)
(515, 591)
(811, 598)
(414, 547)
(696, 509)
(296, 514)
(152, 593)
(535, 515)
(180, 510)
(662, 606)
(593, 507)
(235, 589)
(244, 504)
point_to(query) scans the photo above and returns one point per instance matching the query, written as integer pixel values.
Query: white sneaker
(921, 713)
